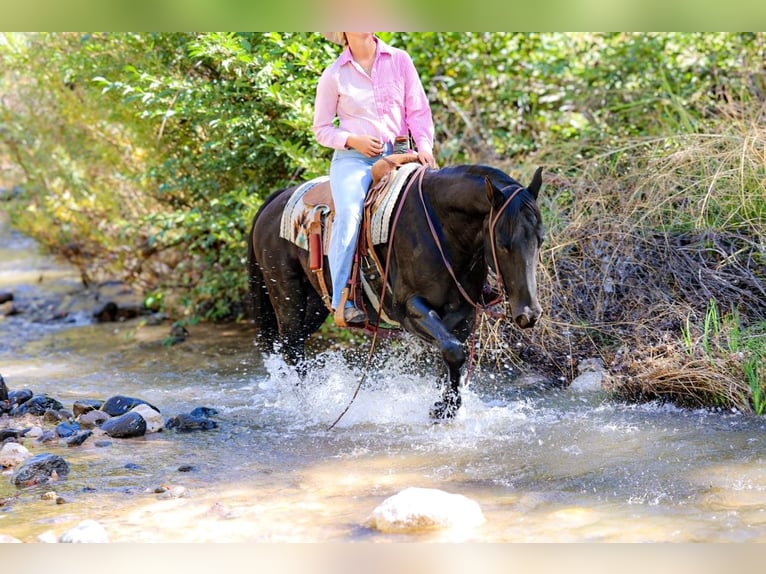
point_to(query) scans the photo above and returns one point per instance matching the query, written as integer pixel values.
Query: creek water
(543, 464)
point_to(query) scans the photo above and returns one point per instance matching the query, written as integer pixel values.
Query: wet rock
(178, 333)
(5, 407)
(111, 311)
(41, 469)
(189, 423)
(86, 531)
(52, 416)
(102, 443)
(187, 468)
(129, 425)
(19, 397)
(204, 412)
(119, 405)
(85, 405)
(47, 436)
(92, 419)
(8, 308)
(154, 420)
(12, 454)
(10, 433)
(33, 432)
(37, 405)
(6, 296)
(78, 438)
(418, 509)
(3, 389)
(67, 429)
(592, 376)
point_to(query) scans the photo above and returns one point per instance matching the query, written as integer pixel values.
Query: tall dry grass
(641, 239)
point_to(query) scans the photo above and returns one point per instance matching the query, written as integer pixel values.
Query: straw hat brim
(335, 37)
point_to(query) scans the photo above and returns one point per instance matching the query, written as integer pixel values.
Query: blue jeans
(350, 179)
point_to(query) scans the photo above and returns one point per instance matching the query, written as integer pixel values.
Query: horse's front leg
(423, 321)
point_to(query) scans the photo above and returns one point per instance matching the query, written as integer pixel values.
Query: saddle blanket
(297, 216)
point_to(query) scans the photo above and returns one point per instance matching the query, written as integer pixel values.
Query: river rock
(153, 418)
(85, 405)
(417, 509)
(3, 389)
(8, 539)
(19, 397)
(37, 405)
(86, 531)
(592, 376)
(78, 438)
(13, 454)
(5, 434)
(119, 405)
(6, 296)
(53, 416)
(8, 308)
(204, 412)
(188, 423)
(40, 469)
(92, 419)
(129, 425)
(67, 429)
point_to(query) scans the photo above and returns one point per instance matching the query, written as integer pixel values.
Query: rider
(375, 93)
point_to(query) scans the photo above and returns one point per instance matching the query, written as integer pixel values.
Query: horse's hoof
(445, 410)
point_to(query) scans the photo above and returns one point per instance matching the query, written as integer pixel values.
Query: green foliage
(146, 155)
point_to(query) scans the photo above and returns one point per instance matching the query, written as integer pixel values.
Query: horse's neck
(461, 213)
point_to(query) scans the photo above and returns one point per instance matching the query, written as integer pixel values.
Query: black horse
(454, 225)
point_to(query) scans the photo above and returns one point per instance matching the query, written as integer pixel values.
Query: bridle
(493, 219)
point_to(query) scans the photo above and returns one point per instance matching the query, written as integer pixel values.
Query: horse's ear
(494, 195)
(537, 182)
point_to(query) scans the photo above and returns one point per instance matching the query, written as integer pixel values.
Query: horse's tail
(262, 311)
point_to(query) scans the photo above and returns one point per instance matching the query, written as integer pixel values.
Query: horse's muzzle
(527, 317)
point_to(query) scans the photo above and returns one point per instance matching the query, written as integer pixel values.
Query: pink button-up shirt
(385, 104)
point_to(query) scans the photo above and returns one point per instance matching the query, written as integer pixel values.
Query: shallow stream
(543, 464)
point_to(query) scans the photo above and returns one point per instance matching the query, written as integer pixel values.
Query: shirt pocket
(392, 94)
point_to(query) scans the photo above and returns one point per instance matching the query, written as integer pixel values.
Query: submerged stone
(188, 423)
(40, 469)
(78, 438)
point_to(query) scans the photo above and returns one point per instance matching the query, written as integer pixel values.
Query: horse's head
(512, 245)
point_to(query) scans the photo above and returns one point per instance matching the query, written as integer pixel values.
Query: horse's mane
(499, 179)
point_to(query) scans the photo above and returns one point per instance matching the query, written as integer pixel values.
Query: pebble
(92, 419)
(78, 438)
(85, 405)
(173, 492)
(188, 423)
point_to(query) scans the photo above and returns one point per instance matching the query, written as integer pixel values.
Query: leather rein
(493, 219)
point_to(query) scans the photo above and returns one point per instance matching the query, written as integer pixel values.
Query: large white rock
(86, 531)
(13, 454)
(154, 420)
(416, 509)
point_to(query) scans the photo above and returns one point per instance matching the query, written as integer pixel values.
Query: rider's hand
(368, 145)
(426, 158)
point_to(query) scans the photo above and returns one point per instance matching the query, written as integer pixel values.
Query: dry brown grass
(641, 239)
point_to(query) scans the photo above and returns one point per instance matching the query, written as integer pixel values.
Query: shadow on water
(544, 464)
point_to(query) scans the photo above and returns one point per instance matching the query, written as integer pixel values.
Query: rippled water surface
(544, 465)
